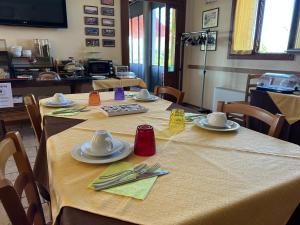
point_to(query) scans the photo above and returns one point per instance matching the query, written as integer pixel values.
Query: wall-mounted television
(34, 13)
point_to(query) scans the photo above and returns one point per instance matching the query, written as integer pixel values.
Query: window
(261, 29)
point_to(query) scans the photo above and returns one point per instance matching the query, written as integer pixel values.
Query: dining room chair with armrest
(274, 121)
(34, 115)
(162, 90)
(10, 194)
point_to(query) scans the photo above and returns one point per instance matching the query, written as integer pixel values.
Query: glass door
(154, 42)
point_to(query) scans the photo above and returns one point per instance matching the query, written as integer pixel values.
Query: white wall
(192, 81)
(67, 42)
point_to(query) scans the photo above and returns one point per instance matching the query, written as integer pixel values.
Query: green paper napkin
(63, 114)
(190, 117)
(138, 189)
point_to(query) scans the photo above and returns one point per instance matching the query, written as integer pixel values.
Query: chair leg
(3, 128)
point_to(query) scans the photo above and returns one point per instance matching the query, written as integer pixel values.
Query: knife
(99, 187)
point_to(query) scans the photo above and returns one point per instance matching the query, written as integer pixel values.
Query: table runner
(229, 178)
(289, 105)
(113, 83)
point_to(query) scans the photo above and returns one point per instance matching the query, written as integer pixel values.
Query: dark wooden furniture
(18, 114)
(263, 100)
(34, 115)
(158, 91)
(274, 121)
(10, 194)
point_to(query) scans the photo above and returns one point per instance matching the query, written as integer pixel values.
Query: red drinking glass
(144, 144)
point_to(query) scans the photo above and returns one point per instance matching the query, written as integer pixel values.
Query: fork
(135, 169)
(150, 169)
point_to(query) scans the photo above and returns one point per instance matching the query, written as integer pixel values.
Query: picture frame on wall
(211, 42)
(106, 11)
(108, 43)
(91, 42)
(210, 18)
(91, 31)
(107, 2)
(88, 9)
(108, 32)
(108, 22)
(91, 20)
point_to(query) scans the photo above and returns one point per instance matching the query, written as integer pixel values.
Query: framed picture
(92, 31)
(108, 43)
(108, 32)
(89, 42)
(210, 18)
(87, 9)
(211, 42)
(107, 2)
(108, 22)
(105, 11)
(91, 20)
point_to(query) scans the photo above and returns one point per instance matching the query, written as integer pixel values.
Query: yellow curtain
(244, 26)
(297, 41)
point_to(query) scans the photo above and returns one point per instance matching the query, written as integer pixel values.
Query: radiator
(227, 95)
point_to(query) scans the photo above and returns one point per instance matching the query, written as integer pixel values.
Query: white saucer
(66, 103)
(151, 98)
(125, 151)
(203, 123)
(86, 148)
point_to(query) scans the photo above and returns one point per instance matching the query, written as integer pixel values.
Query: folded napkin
(190, 117)
(139, 189)
(53, 113)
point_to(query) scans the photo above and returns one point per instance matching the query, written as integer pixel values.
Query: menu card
(6, 98)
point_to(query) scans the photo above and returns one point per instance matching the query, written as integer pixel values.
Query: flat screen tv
(34, 13)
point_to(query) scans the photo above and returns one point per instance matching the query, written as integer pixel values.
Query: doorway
(154, 29)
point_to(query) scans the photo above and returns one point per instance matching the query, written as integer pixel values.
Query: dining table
(229, 178)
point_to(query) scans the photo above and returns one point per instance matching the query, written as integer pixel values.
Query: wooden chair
(250, 85)
(34, 115)
(170, 91)
(10, 195)
(274, 121)
(241, 119)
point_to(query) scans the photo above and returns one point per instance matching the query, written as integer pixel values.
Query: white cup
(101, 144)
(27, 53)
(59, 98)
(217, 119)
(144, 93)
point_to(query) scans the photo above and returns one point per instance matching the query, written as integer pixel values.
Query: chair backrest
(10, 195)
(49, 76)
(34, 115)
(274, 121)
(170, 91)
(250, 85)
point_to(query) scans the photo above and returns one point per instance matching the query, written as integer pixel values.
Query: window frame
(259, 23)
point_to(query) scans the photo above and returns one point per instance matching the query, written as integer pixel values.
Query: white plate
(78, 155)
(99, 77)
(230, 126)
(86, 148)
(66, 103)
(152, 98)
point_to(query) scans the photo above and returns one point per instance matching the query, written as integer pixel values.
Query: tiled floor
(11, 173)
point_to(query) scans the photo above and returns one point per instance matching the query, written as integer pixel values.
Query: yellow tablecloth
(289, 105)
(113, 83)
(239, 178)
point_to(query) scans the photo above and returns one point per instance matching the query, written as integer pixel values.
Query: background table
(113, 83)
(216, 178)
(262, 99)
